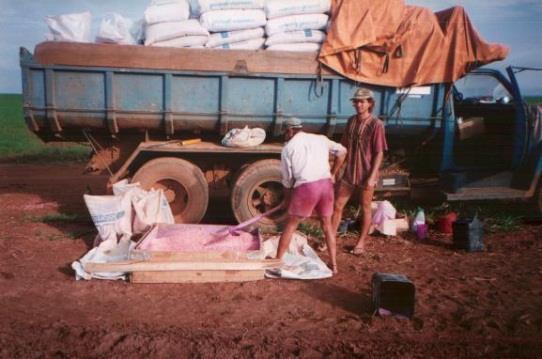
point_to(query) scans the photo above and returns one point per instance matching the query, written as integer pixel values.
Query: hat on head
(293, 122)
(362, 94)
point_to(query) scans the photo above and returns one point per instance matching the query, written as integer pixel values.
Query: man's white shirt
(305, 158)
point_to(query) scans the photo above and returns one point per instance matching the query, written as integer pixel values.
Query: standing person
(308, 182)
(364, 138)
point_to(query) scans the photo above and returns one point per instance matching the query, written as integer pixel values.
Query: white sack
(298, 47)
(171, 30)
(245, 137)
(152, 208)
(252, 44)
(184, 41)
(299, 262)
(70, 27)
(112, 215)
(231, 20)
(167, 11)
(120, 188)
(278, 8)
(289, 37)
(115, 29)
(220, 38)
(296, 22)
(211, 5)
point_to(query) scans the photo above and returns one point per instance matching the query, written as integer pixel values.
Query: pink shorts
(318, 195)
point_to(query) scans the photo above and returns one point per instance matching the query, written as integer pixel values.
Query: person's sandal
(356, 251)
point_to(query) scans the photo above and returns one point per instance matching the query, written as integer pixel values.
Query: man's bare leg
(286, 236)
(342, 195)
(366, 197)
(331, 242)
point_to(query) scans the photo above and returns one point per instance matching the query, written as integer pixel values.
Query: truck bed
(177, 59)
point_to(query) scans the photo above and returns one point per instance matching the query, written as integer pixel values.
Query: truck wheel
(183, 183)
(257, 189)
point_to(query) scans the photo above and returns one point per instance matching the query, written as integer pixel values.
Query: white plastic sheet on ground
(210, 5)
(231, 20)
(296, 23)
(302, 36)
(227, 37)
(298, 47)
(172, 30)
(299, 262)
(116, 29)
(252, 44)
(106, 252)
(165, 11)
(244, 137)
(70, 27)
(278, 8)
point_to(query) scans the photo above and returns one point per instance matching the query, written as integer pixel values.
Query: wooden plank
(133, 266)
(168, 58)
(170, 256)
(196, 276)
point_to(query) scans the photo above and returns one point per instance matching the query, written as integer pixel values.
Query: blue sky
(515, 23)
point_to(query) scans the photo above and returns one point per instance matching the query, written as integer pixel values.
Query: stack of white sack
(168, 24)
(296, 26)
(234, 24)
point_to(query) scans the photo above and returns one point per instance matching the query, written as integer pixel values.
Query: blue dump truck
(140, 108)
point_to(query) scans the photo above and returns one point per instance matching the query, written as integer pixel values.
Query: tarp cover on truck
(387, 42)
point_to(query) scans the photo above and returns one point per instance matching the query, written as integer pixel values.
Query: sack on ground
(211, 5)
(115, 29)
(151, 209)
(302, 36)
(245, 137)
(167, 11)
(231, 20)
(296, 23)
(112, 215)
(171, 30)
(298, 47)
(70, 27)
(226, 37)
(252, 44)
(278, 8)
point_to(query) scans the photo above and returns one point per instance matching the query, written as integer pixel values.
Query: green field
(533, 99)
(18, 144)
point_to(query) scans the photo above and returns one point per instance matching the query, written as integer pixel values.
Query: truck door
(485, 113)
(489, 136)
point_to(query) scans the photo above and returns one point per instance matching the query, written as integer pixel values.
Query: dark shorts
(313, 196)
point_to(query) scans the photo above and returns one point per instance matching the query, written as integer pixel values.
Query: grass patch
(498, 217)
(311, 230)
(533, 100)
(56, 218)
(18, 144)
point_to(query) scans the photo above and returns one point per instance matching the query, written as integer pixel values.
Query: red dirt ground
(486, 304)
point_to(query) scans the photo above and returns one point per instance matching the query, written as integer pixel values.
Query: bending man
(308, 182)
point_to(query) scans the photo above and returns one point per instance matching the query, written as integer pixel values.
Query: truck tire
(183, 183)
(257, 189)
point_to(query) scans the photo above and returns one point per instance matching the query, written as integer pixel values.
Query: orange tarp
(387, 42)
